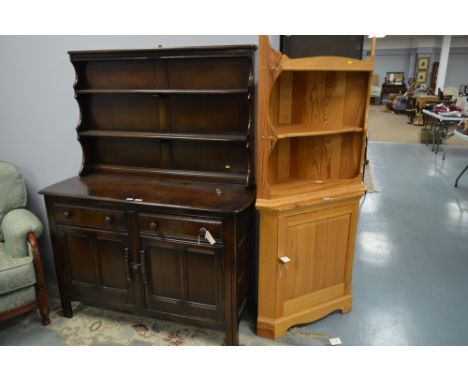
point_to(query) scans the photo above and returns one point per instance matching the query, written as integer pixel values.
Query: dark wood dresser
(160, 219)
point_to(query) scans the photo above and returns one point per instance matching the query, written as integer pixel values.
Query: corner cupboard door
(97, 265)
(183, 279)
(315, 257)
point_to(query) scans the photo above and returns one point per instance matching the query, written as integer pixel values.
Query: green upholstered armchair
(22, 283)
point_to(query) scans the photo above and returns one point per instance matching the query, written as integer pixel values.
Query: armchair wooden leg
(41, 291)
(43, 300)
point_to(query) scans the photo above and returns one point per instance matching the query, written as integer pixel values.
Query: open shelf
(173, 157)
(210, 114)
(289, 131)
(162, 91)
(173, 70)
(199, 175)
(228, 137)
(321, 100)
(314, 160)
(317, 109)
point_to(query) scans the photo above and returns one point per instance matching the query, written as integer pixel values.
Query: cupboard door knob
(67, 214)
(284, 259)
(153, 226)
(108, 219)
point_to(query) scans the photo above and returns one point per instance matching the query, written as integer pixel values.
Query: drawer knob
(153, 226)
(108, 219)
(67, 214)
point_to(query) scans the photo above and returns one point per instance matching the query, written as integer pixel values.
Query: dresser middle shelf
(226, 137)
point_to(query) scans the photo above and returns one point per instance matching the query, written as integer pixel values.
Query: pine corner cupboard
(312, 124)
(159, 220)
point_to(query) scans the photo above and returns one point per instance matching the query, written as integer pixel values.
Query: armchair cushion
(15, 273)
(12, 190)
(17, 298)
(16, 225)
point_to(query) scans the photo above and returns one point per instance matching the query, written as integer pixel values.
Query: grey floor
(410, 280)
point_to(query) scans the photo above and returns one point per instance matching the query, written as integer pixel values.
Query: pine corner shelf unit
(311, 129)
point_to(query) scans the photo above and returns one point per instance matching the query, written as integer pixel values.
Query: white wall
(38, 112)
(391, 63)
(392, 50)
(457, 70)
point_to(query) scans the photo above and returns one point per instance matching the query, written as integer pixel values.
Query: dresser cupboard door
(97, 265)
(183, 279)
(315, 257)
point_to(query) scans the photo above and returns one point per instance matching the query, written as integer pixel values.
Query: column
(443, 63)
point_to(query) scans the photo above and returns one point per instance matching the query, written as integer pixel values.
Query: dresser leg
(235, 335)
(67, 310)
(232, 336)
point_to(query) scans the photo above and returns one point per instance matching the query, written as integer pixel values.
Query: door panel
(81, 265)
(317, 244)
(113, 266)
(183, 279)
(201, 276)
(97, 265)
(164, 270)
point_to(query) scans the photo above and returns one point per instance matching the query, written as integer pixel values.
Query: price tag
(335, 341)
(209, 237)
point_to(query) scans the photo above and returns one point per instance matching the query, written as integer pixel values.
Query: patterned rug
(97, 327)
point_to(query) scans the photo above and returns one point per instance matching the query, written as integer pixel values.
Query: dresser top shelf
(189, 195)
(162, 91)
(191, 52)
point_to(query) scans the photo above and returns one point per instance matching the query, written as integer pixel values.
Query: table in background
(440, 124)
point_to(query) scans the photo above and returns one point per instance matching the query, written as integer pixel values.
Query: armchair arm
(16, 225)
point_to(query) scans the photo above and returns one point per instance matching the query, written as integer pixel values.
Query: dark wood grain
(167, 139)
(228, 137)
(162, 91)
(187, 195)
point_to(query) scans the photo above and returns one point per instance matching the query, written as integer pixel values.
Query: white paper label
(335, 341)
(209, 237)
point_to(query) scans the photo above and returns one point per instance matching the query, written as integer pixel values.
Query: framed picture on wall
(423, 63)
(394, 78)
(421, 76)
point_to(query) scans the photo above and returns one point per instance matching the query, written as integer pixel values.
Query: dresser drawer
(93, 217)
(179, 227)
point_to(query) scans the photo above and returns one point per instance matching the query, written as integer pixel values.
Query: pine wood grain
(312, 124)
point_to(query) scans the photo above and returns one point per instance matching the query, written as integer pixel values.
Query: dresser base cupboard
(159, 220)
